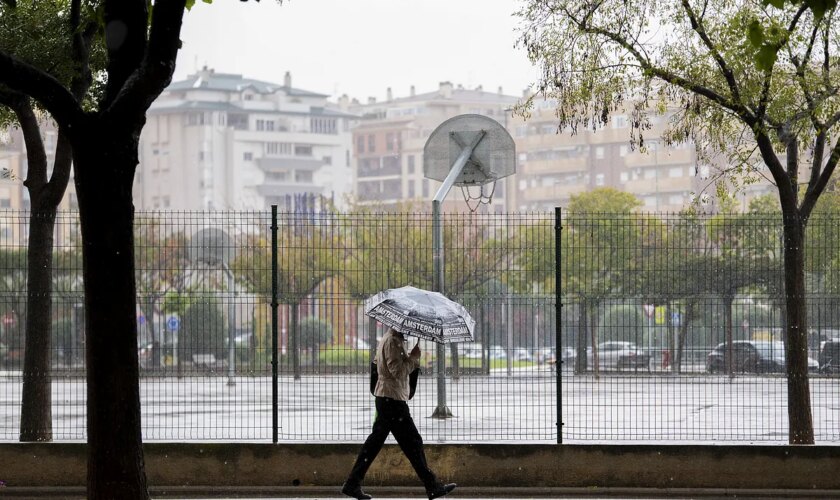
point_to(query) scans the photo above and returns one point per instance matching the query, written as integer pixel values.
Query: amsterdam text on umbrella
(423, 314)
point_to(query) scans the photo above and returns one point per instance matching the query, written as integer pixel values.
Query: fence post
(558, 310)
(274, 309)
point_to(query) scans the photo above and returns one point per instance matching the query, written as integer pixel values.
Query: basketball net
(483, 197)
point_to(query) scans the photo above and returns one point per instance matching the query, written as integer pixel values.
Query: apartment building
(14, 168)
(554, 166)
(388, 142)
(223, 141)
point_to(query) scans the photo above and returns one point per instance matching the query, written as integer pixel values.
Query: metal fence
(626, 355)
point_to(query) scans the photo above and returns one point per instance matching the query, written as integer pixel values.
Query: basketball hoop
(484, 197)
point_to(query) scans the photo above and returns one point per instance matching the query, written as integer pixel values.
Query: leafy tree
(749, 81)
(314, 332)
(598, 241)
(141, 41)
(161, 262)
(50, 23)
(309, 252)
(12, 300)
(204, 330)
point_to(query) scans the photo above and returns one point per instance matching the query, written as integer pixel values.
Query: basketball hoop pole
(437, 260)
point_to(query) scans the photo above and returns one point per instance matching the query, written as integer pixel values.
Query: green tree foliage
(204, 330)
(753, 86)
(314, 332)
(161, 264)
(598, 243)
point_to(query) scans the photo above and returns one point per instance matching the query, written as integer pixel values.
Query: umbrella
(421, 313)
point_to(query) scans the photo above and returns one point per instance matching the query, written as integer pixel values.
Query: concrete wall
(207, 466)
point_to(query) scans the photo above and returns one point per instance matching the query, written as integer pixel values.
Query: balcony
(565, 165)
(662, 157)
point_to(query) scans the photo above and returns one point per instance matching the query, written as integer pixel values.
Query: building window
(425, 188)
(675, 199)
(675, 172)
(303, 176)
(411, 189)
(619, 121)
(650, 173)
(389, 141)
(599, 152)
(371, 143)
(323, 126)
(410, 164)
(303, 150)
(347, 157)
(599, 179)
(327, 160)
(360, 144)
(238, 122)
(622, 150)
(201, 156)
(278, 148)
(247, 156)
(265, 125)
(623, 177)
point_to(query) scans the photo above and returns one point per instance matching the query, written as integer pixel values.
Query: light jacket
(393, 365)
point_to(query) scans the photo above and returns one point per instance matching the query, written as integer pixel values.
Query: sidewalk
(405, 493)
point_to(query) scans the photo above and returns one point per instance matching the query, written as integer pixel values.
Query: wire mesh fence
(670, 330)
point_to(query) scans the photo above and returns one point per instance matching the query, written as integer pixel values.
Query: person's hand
(415, 353)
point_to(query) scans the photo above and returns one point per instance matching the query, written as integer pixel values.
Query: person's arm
(399, 363)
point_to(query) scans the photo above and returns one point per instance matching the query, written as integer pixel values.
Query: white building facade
(219, 141)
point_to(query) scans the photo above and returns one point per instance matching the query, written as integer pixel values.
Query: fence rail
(626, 352)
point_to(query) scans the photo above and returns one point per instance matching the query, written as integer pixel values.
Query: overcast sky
(360, 47)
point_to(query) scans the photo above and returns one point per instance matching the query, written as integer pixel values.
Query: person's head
(396, 333)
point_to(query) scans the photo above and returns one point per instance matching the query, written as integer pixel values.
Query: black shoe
(440, 490)
(355, 491)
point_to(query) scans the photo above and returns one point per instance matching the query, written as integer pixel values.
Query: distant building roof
(458, 94)
(229, 82)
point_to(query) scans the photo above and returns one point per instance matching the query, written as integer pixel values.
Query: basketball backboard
(493, 158)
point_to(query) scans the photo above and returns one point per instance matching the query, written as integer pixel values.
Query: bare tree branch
(814, 191)
(698, 27)
(158, 65)
(44, 88)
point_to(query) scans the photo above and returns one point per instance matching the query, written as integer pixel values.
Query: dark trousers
(392, 416)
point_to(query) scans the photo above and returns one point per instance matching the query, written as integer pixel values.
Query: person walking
(393, 366)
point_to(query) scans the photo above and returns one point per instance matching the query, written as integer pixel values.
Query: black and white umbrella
(421, 313)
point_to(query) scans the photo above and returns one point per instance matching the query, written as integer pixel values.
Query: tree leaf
(755, 33)
(766, 57)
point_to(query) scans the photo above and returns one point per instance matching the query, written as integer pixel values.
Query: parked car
(618, 355)
(830, 356)
(752, 356)
(522, 354)
(498, 352)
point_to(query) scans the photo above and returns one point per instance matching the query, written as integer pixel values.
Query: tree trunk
(727, 325)
(156, 356)
(580, 356)
(105, 159)
(36, 399)
(799, 393)
(688, 315)
(294, 339)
